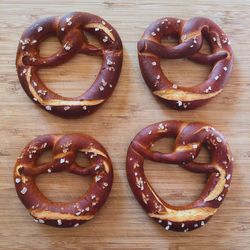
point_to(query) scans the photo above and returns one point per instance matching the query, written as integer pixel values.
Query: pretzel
(70, 31)
(191, 34)
(64, 148)
(189, 139)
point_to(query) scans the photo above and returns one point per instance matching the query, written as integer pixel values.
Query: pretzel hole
(92, 40)
(81, 160)
(45, 157)
(175, 185)
(49, 46)
(169, 41)
(163, 145)
(184, 72)
(63, 186)
(204, 155)
(205, 49)
(72, 78)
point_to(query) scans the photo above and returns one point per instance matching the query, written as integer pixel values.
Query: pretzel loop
(170, 129)
(166, 27)
(191, 35)
(189, 139)
(211, 32)
(76, 169)
(65, 148)
(70, 32)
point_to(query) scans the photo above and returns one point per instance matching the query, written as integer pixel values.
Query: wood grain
(121, 223)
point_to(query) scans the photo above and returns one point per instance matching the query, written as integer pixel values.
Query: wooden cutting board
(121, 223)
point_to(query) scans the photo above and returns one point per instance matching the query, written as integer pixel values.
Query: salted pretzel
(64, 148)
(189, 139)
(190, 34)
(70, 31)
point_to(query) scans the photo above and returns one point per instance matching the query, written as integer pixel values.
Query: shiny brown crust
(190, 34)
(64, 148)
(189, 139)
(70, 31)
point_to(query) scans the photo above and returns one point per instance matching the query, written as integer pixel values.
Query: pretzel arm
(37, 170)
(83, 171)
(147, 46)
(209, 59)
(199, 167)
(71, 45)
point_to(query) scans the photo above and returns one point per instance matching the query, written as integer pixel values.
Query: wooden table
(121, 223)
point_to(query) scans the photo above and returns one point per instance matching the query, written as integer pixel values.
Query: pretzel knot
(64, 148)
(190, 34)
(189, 139)
(70, 32)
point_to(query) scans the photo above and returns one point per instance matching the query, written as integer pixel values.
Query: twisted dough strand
(64, 148)
(70, 32)
(191, 34)
(189, 139)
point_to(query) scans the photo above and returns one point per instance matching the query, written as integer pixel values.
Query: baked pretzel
(64, 148)
(190, 34)
(189, 139)
(70, 31)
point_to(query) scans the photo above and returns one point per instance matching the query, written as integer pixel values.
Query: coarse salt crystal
(218, 139)
(39, 29)
(179, 103)
(24, 190)
(219, 198)
(66, 108)
(48, 108)
(161, 126)
(62, 160)
(18, 180)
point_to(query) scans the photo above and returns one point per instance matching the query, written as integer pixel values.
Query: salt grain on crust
(24, 190)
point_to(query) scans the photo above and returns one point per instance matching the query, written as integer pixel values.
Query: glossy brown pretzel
(189, 139)
(190, 34)
(65, 148)
(70, 31)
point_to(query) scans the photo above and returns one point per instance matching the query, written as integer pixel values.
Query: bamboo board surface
(121, 223)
